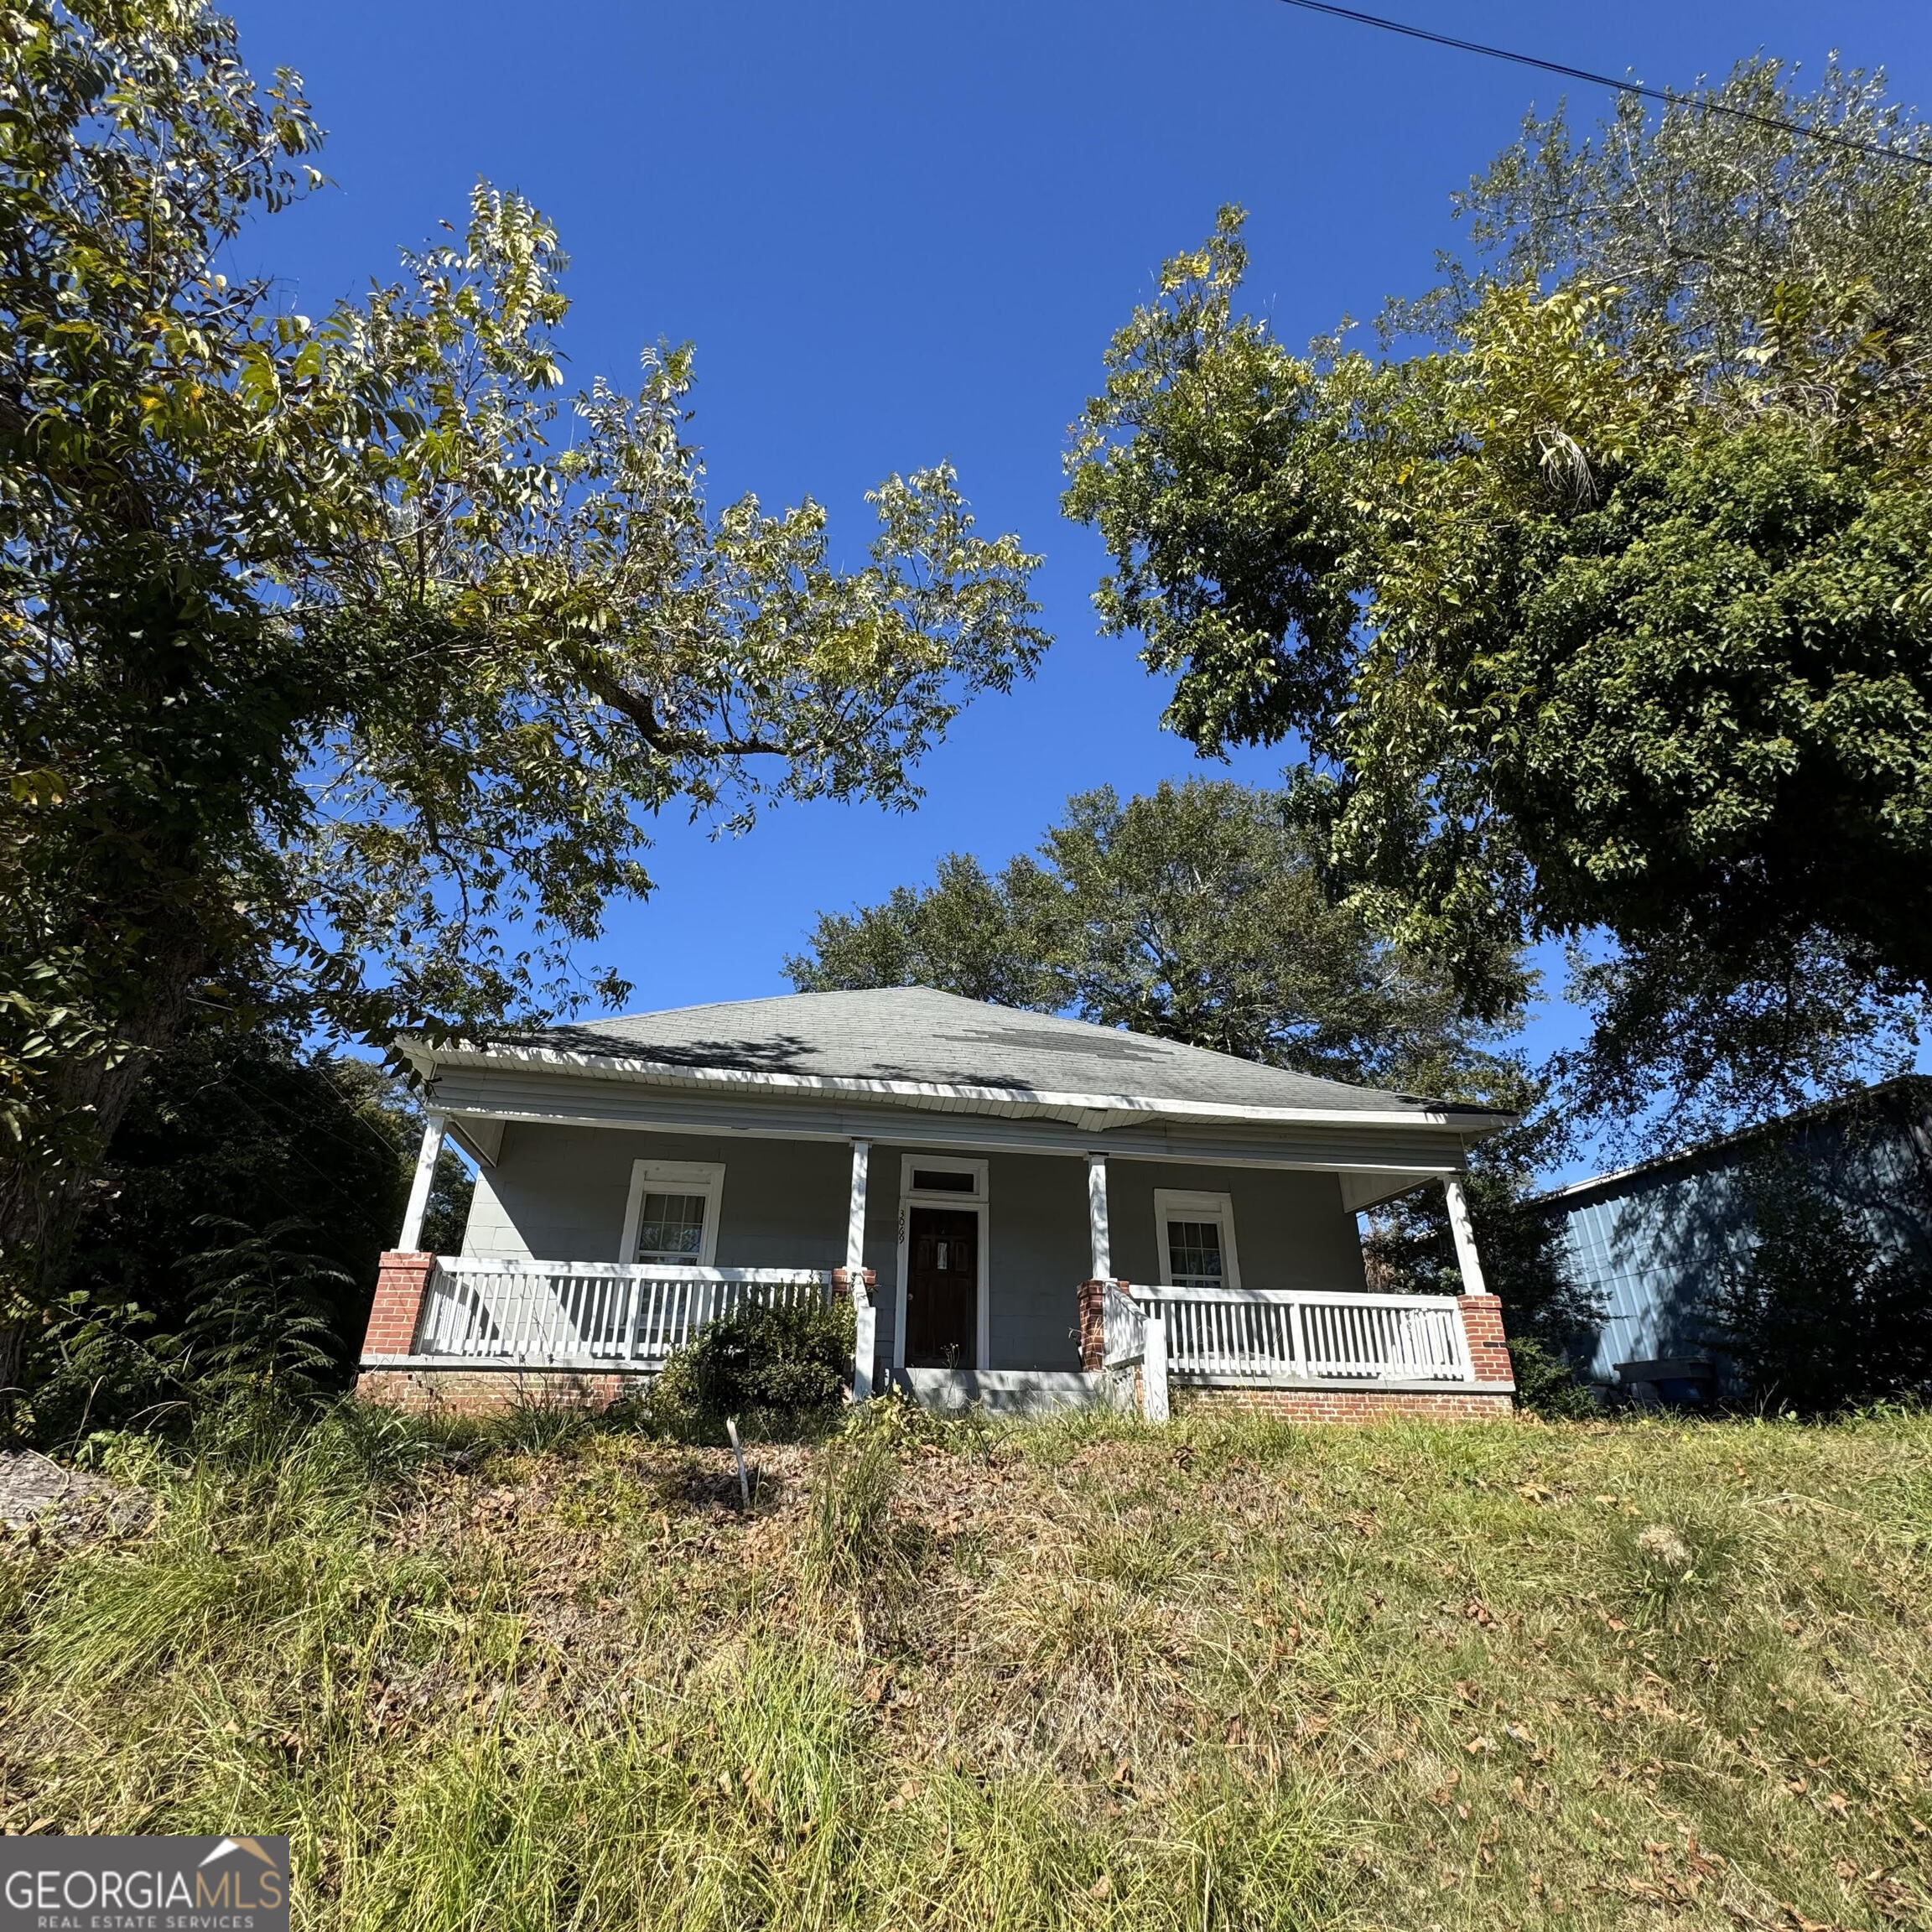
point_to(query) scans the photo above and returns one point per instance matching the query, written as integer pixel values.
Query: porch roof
(921, 1048)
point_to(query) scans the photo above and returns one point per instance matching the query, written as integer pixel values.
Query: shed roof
(913, 1041)
(1910, 1095)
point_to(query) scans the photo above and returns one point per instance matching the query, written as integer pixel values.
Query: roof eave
(1097, 1112)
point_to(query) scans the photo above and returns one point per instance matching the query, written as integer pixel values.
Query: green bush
(1547, 1383)
(782, 1372)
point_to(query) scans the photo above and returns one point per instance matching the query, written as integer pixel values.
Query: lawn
(1080, 1675)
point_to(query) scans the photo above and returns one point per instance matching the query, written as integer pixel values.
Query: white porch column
(1465, 1234)
(1096, 1218)
(865, 1310)
(434, 1126)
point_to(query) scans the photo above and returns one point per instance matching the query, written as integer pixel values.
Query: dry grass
(1087, 1676)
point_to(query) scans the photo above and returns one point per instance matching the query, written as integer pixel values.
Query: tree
(983, 938)
(344, 667)
(243, 1131)
(1197, 912)
(1607, 615)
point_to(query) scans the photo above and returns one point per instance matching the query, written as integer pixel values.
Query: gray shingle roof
(911, 1033)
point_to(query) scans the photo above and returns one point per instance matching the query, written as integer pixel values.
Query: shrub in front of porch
(782, 1373)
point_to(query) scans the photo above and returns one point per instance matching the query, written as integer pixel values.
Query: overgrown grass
(1075, 1675)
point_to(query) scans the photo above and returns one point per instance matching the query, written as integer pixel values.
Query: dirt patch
(41, 1500)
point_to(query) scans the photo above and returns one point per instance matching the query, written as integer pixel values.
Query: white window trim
(705, 1177)
(1182, 1206)
(977, 1204)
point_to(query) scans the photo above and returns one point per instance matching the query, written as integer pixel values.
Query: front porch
(483, 1331)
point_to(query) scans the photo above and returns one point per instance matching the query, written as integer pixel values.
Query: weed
(540, 1419)
(894, 1418)
(852, 1546)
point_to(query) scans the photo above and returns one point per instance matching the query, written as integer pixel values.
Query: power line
(1702, 102)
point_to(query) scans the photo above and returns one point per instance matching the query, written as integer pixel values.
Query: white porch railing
(1124, 1326)
(1261, 1334)
(557, 1312)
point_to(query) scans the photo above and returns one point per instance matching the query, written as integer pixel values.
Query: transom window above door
(938, 1176)
(1196, 1239)
(672, 1215)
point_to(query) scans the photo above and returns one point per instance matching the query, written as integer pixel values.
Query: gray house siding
(1291, 1229)
(1038, 1256)
(558, 1193)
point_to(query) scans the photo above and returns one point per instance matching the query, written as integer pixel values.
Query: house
(1025, 1211)
(1653, 1241)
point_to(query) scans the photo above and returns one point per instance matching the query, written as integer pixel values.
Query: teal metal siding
(1654, 1245)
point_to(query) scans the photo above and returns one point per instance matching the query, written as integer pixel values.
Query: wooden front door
(943, 1289)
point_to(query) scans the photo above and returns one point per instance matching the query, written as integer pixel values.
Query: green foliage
(782, 1372)
(90, 1365)
(241, 1128)
(244, 1127)
(1547, 1383)
(255, 1319)
(1684, 1046)
(1821, 1314)
(898, 1419)
(1610, 613)
(1197, 912)
(258, 1325)
(346, 664)
(983, 938)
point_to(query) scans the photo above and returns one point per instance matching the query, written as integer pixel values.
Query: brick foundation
(402, 1280)
(1348, 1404)
(490, 1392)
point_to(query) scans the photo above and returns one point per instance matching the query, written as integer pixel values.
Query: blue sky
(897, 233)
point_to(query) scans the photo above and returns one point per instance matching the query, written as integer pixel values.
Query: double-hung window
(1196, 1239)
(672, 1215)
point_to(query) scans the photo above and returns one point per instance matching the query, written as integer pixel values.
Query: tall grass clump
(853, 1544)
(262, 1522)
(742, 1803)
